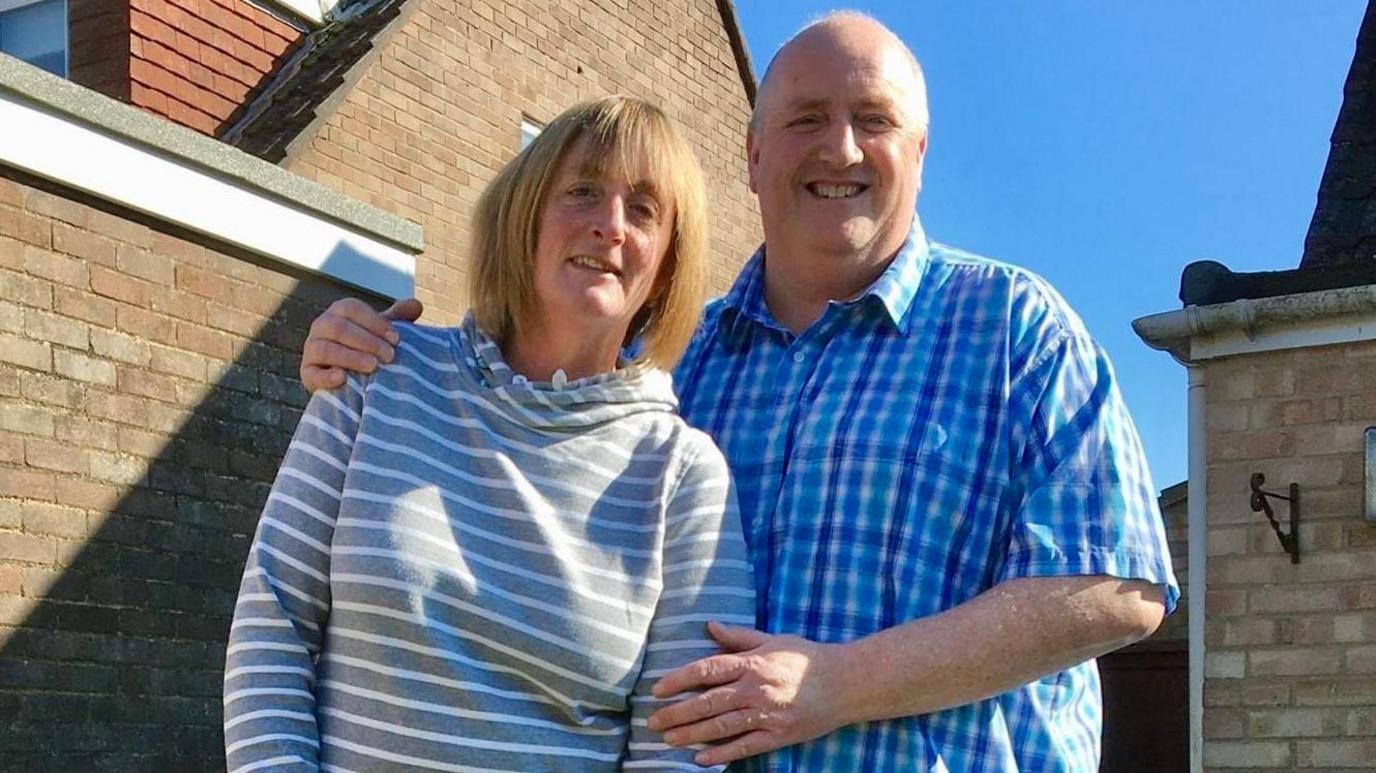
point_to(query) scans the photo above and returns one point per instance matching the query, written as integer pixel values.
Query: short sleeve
(1082, 500)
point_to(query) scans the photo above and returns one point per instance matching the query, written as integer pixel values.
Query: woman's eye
(645, 211)
(581, 190)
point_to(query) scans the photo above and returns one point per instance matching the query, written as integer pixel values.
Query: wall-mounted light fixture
(1261, 504)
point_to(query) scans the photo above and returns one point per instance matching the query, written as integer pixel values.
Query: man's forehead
(869, 66)
(856, 82)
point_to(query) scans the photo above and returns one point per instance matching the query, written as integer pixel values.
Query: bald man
(947, 505)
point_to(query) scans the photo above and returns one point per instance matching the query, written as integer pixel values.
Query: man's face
(836, 158)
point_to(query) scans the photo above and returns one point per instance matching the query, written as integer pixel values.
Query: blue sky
(1106, 145)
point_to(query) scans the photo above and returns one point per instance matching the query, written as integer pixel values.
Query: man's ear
(921, 156)
(752, 158)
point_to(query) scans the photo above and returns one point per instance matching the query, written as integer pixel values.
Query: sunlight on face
(603, 235)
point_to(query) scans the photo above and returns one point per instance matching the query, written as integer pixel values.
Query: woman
(481, 556)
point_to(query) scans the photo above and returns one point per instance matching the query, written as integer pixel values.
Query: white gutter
(1197, 558)
(1315, 318)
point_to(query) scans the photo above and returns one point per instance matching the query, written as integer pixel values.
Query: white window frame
(313, 11)
(530, 129)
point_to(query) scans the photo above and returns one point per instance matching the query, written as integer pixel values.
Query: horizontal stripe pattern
(458, 571)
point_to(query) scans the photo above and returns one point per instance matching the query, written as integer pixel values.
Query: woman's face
(602, 240)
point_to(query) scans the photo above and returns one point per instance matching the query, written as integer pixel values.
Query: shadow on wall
(118, 664)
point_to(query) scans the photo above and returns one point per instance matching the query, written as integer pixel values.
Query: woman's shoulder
(426, 347)
(696, 450)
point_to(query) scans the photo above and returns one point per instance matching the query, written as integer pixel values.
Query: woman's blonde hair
(617, 131)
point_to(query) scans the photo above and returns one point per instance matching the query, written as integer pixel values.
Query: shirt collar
(894, 289)
(745, 299)
(897, 286)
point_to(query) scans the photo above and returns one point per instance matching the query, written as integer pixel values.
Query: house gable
(421, 120)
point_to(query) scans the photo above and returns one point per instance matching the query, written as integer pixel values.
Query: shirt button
(798, 357)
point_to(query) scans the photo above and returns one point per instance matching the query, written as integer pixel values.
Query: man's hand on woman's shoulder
(351, 336)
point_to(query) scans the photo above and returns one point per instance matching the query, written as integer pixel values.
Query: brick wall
(1291, 649)
(438, 112)
(196, 61)
(147, 392)
(193, 61)
(98, 45)
(147, 378)
(1175, 513)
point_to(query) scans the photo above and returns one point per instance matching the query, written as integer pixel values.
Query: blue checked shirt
(951, 428)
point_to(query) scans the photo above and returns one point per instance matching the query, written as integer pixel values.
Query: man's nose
(609, 220)
(838, 145)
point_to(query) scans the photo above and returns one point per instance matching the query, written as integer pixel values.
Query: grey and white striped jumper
(457, 570)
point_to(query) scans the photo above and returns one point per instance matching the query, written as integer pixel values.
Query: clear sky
(1106, 145)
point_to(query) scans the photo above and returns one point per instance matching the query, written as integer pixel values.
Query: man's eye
(877, 122)
(806, 121)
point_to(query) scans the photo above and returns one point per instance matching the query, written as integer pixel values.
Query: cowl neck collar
(588, 402)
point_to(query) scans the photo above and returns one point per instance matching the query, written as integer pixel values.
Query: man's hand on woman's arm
(349, 335)
(768, 691)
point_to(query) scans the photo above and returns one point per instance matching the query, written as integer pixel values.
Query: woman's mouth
(594, 264)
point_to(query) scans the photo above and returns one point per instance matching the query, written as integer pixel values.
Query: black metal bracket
(1260, 504)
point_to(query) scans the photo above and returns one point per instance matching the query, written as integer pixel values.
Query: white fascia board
(1296, 335)
(115, 169)
(1315, 318)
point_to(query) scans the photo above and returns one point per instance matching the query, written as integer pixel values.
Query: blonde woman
(480, 556)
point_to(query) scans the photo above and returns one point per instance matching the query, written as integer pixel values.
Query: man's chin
(850, 239)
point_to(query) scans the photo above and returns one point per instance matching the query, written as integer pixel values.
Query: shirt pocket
(947, 530)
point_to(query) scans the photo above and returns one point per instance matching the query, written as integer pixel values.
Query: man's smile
(836, 190)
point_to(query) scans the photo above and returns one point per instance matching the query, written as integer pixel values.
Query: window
(35, 32)
(529, 130)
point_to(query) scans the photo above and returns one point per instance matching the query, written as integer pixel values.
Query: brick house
(1282, 383)
(181, 192)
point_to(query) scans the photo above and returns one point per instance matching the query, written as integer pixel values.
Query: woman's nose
(609, 220)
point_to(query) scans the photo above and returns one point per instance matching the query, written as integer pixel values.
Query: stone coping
(183, 145)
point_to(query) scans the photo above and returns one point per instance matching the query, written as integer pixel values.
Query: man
(945, 500)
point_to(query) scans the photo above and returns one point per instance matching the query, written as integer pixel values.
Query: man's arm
(350, 336)
(774, 691)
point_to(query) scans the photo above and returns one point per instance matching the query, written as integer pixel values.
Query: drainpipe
(1197, 558)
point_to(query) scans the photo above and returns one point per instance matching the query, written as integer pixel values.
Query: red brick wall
(438, 112)
(196, 61)
(1290, 648)
(98, 45)
(193, 61)
(147, 391)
